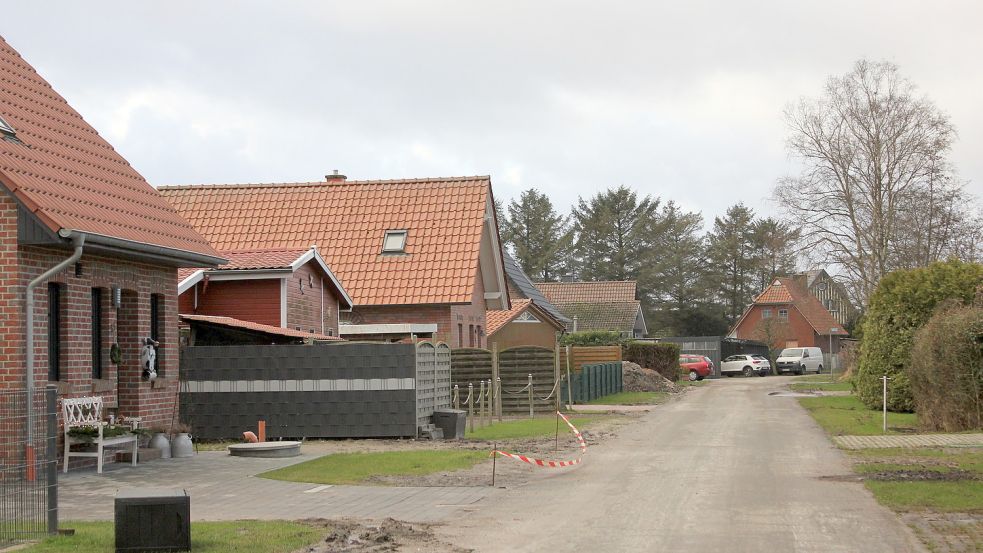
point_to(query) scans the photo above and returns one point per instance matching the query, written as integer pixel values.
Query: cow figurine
(148, 356)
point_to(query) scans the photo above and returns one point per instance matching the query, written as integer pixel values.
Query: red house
(89, 254)
(412, 253)
(786, 315)
(286, 288)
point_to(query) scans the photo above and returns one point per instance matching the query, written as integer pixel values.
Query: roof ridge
(424, 180)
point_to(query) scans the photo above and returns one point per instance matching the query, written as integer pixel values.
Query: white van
(799, 361)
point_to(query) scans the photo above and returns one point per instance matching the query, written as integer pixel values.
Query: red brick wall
(798, 328)
(249, 300)
(439, 314)
(471, 315)
(11, 301)
(304, 305)
(124, 384)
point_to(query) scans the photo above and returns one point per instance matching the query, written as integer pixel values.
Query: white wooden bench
(87, 411)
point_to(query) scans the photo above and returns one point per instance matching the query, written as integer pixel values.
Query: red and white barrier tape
(551, 464)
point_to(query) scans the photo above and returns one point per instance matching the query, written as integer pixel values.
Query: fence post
(457, 397)
(532, 412)
(490, 394)
(481, 403)
(496, 401)
(569, 381)
(471, 406)
(556, 374)
(51, 457)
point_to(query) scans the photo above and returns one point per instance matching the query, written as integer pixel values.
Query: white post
(884, 405)
(831, 331)
(481, 403)
(471, 406)
(532, 412)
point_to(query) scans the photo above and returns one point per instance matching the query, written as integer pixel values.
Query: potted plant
(181, 444)
(160, 441)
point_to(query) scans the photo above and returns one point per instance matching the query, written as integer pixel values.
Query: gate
(28, 465)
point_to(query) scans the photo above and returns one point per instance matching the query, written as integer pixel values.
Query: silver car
(746, 364)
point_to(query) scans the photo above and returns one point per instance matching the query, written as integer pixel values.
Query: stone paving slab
(223, 487)
(909, 440)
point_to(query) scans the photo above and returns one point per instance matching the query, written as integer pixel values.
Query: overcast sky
(681, 100)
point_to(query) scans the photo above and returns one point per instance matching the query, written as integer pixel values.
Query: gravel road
(727, 468)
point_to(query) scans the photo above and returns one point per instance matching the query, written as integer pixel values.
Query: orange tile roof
(495, 320)
(784, 290)
(347, 221)
(70, 177)
(247, 260)
(588, 292)
(257, 327)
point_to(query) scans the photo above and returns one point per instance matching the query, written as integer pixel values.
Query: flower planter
(160, 441)
(181, 446)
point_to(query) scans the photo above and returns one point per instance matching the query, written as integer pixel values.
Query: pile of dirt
(638, 379)
(368, 537)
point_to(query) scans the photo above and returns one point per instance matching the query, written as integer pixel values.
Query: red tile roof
(347, 221)
(495, 320)
(785, 290)
(70, 177)
(256, 327)
(588, 292)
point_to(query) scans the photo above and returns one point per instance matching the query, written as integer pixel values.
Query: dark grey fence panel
(28, 465)
(327, 391)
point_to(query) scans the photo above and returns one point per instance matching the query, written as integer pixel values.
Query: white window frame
(393, 233)
(783, 314)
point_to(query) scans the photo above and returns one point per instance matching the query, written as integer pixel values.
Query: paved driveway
(225, 488)
(728, 468)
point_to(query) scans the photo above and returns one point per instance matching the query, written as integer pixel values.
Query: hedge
(592, 338)
(903, 302)
(660, 357)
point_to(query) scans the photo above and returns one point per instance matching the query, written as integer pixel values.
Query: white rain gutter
(77, 241)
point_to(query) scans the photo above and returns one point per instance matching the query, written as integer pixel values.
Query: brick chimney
(335, 178)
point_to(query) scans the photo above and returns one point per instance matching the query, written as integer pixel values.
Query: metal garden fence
(28, 464)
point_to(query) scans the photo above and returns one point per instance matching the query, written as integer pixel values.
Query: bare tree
(875, 186)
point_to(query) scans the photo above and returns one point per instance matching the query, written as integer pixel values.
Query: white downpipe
(77, 241)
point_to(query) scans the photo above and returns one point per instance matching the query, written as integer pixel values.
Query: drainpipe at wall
(77, 241)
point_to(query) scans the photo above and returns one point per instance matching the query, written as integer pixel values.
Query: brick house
(97, 245)
(526, 324)
(606, 305)
(408, 252)
(830, 293)
(287, 288)
(786, 315)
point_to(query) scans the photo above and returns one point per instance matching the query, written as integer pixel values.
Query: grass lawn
(822, 385)
(539, 427)
(961, 496)
(632, 398)
(353, 468)
(847, 415)
(944, 496)
(684, 382)
(242, 536)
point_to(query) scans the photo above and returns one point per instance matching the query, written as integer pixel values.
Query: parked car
(745, 364)
(799, 361)
(698, 367)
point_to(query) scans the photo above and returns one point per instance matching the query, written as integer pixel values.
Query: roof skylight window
(6, 129)
(394, 242)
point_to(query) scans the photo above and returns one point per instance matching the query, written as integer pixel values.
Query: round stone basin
(265, 449)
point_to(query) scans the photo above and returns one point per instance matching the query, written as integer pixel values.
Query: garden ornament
(147, 358)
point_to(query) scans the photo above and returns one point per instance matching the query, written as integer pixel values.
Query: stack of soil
(638, 379)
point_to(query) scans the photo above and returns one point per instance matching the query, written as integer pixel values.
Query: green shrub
(660, 357)
(902, 303)
(947, 370)
(592, 338)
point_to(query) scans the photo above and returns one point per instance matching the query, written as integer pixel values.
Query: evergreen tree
(540, 237)
(732, 248)
(614, 235)
(775, 244)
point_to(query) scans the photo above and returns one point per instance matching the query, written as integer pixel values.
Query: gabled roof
(229, 322)
(265, 264)
(70, 179)
(525, 288)
(445, 219)
(617, 316)
(495, 320)
(591, 292)
(786, 291)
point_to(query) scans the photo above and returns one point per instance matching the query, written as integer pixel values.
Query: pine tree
(775, 243)
(540, 237)
(614, 235)
(732, 248)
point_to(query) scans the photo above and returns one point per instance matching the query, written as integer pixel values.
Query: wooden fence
(514, 365)
(588, 355)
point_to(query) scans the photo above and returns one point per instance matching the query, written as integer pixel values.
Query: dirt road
(728, 468)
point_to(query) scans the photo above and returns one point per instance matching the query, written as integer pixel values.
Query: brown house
(408, 252)
(605, 305)
(287, 288)
(89, 254)
(786, 315)
(830, 293)
(526, 324)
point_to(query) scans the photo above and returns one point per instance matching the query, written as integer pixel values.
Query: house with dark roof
(786, 315)
(831, 294)
(522, 287)
(288, 288)
(605, 305)
(408, 252)
(525, 324)
(89, 254)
